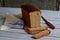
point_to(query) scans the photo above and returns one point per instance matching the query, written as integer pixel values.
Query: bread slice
(37, 29)
(34, 30)
(41, 34)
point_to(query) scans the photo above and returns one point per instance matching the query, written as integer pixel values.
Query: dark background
(42, 4)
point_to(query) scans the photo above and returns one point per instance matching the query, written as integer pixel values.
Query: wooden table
(20, 34)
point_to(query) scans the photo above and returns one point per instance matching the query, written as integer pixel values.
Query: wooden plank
(55, 23)
(55, 33)
(53, 18)
(6, 38)
(49, 38)
(15, 34)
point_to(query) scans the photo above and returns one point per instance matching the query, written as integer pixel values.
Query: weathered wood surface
(20, 34)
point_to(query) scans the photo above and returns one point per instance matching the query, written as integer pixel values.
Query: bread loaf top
(30, 8)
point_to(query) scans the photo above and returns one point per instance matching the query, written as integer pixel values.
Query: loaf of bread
(32, 19)
(41, 34)
(31, 15)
